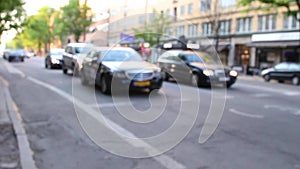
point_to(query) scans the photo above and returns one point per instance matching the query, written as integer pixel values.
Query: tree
(271, 4)
(75, 18)
(12, 15)
(153, 32)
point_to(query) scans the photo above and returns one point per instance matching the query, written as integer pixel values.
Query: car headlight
(54, 60)
(121, 75)
(208, 72)
(233, 73)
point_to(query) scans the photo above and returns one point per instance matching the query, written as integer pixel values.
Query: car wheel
(22, 60)
(83, 79)
(280, 81)
(46, 65)
(267, 78)
(229, 85)
(65, 70)
(295, 80)
(104, 87)
(195, 80)
(166, 76)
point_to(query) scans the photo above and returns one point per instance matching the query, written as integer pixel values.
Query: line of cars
(16, 55)
(123, 66)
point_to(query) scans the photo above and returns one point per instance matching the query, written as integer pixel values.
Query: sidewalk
(15, 152)
(250, 78)
(9, 152)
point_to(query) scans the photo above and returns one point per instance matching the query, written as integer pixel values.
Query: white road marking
(261, 95)
(246, 114)
(164, 160)
(280, 91)
(290, 110)
(11, 69)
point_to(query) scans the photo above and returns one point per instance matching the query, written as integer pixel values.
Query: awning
(279, 44)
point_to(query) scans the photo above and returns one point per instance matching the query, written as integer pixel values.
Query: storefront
(272, 48)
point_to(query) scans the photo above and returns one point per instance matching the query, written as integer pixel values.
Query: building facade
(254, 38)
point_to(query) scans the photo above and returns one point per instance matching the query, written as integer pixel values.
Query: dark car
(54, 58)
(74, 55)
(123, 65)
(285, 71)
(198, 68)
(15, 55)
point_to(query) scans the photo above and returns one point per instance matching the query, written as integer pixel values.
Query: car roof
(80, 44)
(113, 48)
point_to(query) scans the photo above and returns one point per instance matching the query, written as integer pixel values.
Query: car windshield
(57, 52)
(197, 57)
(121, 55)
(83, 50)
(18, 52)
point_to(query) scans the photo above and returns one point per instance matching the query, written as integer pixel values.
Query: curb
(26, 158)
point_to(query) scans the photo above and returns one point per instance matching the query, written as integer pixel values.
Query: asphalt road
(259, 127)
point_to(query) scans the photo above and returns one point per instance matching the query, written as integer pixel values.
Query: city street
(259, 128)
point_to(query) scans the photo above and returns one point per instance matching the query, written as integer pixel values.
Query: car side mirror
(94, 59)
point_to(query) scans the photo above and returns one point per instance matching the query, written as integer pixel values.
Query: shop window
(182, 10)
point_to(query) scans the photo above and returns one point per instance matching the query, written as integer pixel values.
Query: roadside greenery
(54, 26)
(12, 15)
(267, 5)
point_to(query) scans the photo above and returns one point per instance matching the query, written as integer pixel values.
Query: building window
(168, 12)
(225, 27)
(190, 8)
(267, 22)
(179, 31)
(169, 32)
(182, 10)
(207, 28)
(141, 19)
(290, 22)
(243, 25)
(193, 30)
(205, 5)
(175, 14)
(227, 3)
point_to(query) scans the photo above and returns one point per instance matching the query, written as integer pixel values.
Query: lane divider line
(163, 159)
(246, 114)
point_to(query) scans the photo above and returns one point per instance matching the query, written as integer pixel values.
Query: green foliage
(75, 18)
(12, 15)
(267, 5)
(153, 32)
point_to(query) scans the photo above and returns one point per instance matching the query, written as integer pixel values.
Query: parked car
(54, 58)
(15, 55)
(74, 55)
(194, 67)
(285, 71)
(123, 64)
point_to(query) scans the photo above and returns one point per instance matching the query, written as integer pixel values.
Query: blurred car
(54, 58)
(194, 67)
(285, 71)
(15, 55)
(122, 64)
(74, 55)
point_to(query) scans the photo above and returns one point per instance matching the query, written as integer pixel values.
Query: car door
(87, 65)
(183, 70)
(281, 72)
(68, 57)
(95, 65)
